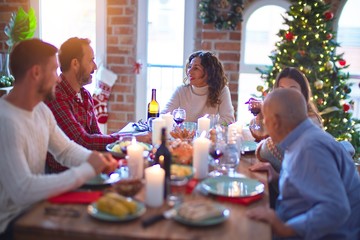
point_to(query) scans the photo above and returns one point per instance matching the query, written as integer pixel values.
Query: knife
(165, 215)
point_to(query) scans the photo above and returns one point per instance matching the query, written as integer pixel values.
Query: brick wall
(121, 52)
(121, 55)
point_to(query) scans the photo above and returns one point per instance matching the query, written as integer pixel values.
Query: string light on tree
(307, 42)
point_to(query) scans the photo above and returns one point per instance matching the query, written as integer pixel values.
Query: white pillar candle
(200, 157)
(135, 159)
(157, 124)
(203, 124)
(154, 186)
(169, 121)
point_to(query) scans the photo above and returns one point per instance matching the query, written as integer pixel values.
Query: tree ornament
(320, 101)
(342, 62)
(225, 14)
(260, 88)
(307, 9)
(289, 36)
(328, 15)
(329, 65)
(329, 36)
(346, 107)
(319, 84)
(302, 53)
(347, 89)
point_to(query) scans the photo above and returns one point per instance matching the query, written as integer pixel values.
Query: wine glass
(216, 150)
(255, 108)
(179, 116)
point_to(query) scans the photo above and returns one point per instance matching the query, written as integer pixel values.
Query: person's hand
(266, 214)
(102, 162)
(265, 166)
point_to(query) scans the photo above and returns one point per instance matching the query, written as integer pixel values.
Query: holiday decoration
(260, 88)
(225, 14)
(289, 36)
(342, 62)
(307, 9)
(328, 15)
(105, 80)
(307, 43)
(346, 107)
(137, 67)
(319, 84)
(329, 65)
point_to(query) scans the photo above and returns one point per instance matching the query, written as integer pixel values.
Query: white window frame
(248, 11)
(189, 43)
(100, 53)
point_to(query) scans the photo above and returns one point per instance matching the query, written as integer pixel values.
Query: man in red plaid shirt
(73, 107)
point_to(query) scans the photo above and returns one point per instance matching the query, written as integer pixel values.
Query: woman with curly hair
(205, 90)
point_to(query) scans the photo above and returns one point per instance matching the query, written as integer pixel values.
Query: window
(56, 24)
(348, 36)
(258, 41)
(165, 40)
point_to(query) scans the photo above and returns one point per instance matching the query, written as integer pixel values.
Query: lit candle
(203, 124)
(168, 117)
(200, 157)
(157, 124)
(135, 159)
(154, 186)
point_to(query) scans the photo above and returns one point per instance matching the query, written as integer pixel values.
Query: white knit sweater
(25, 138)
(193, 100)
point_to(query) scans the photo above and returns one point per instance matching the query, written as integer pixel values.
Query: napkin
(76, 197)
(192, 184)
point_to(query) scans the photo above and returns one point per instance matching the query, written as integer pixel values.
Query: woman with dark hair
(289, 77)
(293, 78)
(205, 90)
(267, 152)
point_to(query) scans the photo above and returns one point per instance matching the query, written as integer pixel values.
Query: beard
(83, 78)
(47, 92)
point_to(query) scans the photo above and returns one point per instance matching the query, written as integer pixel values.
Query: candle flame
(161, 159)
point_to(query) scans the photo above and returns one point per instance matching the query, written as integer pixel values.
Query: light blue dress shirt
(319, 186)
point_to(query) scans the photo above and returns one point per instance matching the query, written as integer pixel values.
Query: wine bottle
(153, 106)
(163, 157)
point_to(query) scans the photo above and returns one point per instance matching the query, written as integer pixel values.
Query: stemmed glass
(179, 116)
(216, 150)
(254, 107)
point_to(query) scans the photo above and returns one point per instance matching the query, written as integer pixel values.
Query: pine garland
(225, 14)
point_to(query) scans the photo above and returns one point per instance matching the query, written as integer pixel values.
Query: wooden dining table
(37, 224)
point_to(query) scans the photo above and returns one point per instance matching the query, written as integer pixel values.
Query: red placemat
(191, 185)
(76, 197)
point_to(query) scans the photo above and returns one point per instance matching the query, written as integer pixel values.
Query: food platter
(94, 212)
(116, 150)
(223, 215)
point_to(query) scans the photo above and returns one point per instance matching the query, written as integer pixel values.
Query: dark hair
(27, 53)
(216, 78)
(71, 49)
(301, 79)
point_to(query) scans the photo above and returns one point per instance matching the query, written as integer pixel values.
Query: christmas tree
(308, 43)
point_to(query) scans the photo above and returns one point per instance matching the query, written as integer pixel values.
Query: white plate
(94, 212)
(120, 154)
(104, 179)
(232, 186)
(249, 146)
(207, 222)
